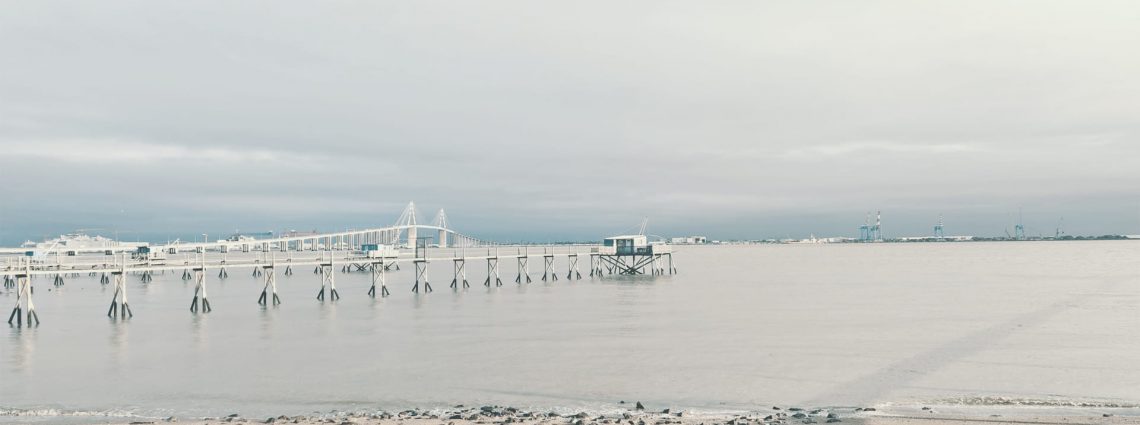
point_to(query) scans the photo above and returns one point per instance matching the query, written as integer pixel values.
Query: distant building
(689, 240)
(74, 243)
(936, 239)
(372, 250)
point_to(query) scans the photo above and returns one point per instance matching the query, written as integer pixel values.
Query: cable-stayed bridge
(404, 233)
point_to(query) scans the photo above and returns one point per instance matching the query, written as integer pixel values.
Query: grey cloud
(548, 120)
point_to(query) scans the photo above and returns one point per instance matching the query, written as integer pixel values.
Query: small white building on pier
(632, 254)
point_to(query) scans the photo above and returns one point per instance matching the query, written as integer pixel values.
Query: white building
(689, 240)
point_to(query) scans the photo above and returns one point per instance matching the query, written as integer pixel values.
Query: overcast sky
(542, 120)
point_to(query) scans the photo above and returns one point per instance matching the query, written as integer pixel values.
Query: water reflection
(268, 315)
(327, 318)
(118, 342)
(627, 316)
(327, 310)
(143, 288)
(199, 330)
(23, 346)
(419, 300)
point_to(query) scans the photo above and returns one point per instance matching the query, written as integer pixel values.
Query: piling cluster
(325, 265)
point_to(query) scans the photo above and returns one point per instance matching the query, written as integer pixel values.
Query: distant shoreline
(948, 239)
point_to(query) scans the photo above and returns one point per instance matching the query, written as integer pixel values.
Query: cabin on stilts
(634, 255)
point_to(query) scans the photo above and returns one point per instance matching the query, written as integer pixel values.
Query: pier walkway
(375, 251)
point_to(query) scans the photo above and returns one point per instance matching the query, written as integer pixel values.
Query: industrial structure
(869, 232)
(1019, 228)
(865, 229)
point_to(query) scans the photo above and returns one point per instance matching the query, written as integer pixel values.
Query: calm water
(739, 328)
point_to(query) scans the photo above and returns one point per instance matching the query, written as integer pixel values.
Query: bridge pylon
(441, 222)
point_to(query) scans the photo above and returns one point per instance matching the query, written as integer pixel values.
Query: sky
(569, 120)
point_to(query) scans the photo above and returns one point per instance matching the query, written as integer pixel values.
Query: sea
(984, 328)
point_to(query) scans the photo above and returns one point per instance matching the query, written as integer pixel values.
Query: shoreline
(634, 415)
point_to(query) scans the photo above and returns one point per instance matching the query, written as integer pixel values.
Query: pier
(375, 251)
